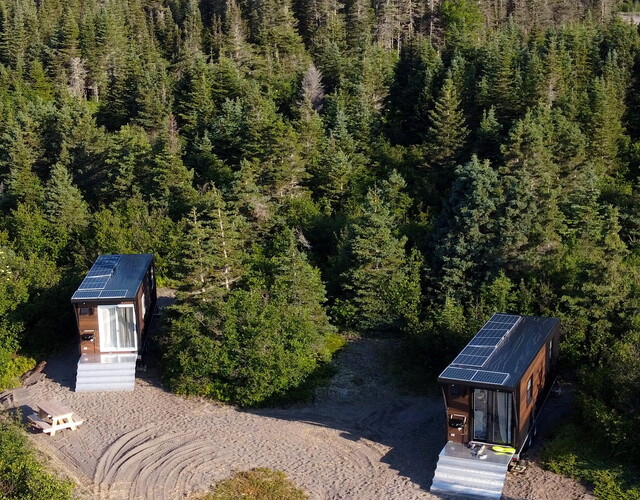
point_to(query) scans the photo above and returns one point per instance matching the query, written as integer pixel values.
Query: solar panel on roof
(470, 375)
(486, 341)
(93, 283)
(477, 350)
(103, 266)
(494, 330)
(455, 373)
(111, 260)
(98, 271)
(85, 294)
(473, 356)
(466, 360)
(487, 377)
(113, 294)
(489, 342)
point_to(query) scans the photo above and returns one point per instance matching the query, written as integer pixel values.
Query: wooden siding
(527, 407)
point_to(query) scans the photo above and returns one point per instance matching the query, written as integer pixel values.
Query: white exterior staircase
(106, 372)
(461, 473)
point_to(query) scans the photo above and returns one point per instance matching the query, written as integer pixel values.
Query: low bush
(257, 484)
(22, 477)
(11, 367)
(573, 453)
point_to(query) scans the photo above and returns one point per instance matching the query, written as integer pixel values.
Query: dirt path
(361, 439)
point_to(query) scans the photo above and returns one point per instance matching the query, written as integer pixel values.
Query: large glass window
(117, 328)
(492, 416)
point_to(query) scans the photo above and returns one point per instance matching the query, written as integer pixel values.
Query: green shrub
(21, 476)
(257, 484)
(11, 367)
(572, 452)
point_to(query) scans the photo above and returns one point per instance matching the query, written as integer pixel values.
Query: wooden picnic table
(53, 416)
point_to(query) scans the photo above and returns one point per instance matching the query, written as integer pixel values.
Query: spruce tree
(63, 204)
(382, 284)
(446, 137)
(468, 231)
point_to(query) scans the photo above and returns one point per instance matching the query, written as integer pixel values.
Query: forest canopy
(301, 166)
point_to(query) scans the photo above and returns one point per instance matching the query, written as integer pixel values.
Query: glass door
(117, 328)
(492, 416)
(480, 414)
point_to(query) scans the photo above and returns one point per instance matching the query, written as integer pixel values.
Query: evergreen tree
(529, 217)
(446, 137)
(64, 206)
(383, 282)
(213, 249)
(267, 337)
(468, 230)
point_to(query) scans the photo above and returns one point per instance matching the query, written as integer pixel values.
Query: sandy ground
(362, 438)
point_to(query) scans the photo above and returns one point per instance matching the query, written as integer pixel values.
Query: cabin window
(85, 311)
(144, 305)
(530, 389)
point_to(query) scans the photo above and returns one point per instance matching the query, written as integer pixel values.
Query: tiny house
(493, 391)
(113, 308)
(495, 387)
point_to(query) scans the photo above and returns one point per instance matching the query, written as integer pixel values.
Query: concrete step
(453, 475)
(96, 379)
(104, 386)
(114, 374)
(464, 491)
(461, 474)
(473, 464)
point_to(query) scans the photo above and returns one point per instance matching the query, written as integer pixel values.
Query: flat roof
(500, 353)
(113, 277)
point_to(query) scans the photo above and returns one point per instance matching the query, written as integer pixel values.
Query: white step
(463, 491)
(106, 373)
(104, 386)
(473, 464)
(452, 474)
(461, 474)
(96, 379)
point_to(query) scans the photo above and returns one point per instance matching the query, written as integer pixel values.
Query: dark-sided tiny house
(493, 391)
(113, 306)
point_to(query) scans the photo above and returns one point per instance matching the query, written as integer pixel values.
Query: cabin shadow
(61, 367)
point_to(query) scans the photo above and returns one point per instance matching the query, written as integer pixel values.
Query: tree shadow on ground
(369, 400)
(412, 428)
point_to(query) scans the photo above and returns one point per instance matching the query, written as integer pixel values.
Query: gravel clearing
(362, 438)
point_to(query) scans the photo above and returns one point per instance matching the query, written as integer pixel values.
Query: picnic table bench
(53, 416)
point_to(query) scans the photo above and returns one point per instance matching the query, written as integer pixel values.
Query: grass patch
(572, 453)
(22, 477)
(257, 484)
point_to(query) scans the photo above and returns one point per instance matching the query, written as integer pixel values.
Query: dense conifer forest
(300, 167)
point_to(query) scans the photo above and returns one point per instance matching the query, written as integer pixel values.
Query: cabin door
(492, 416)
(117, 328)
